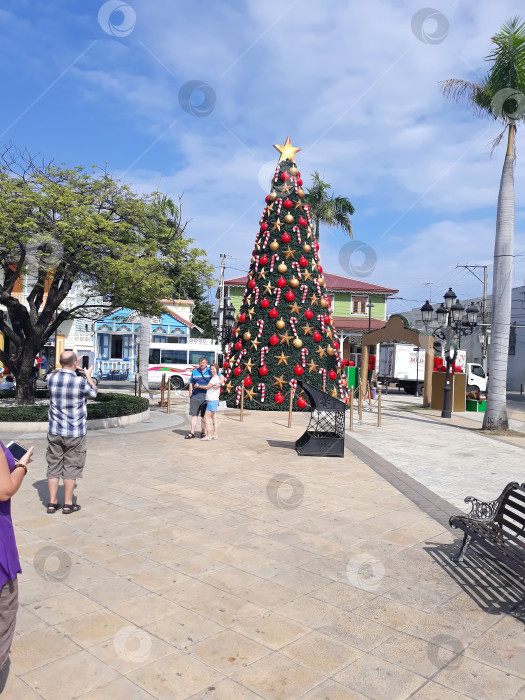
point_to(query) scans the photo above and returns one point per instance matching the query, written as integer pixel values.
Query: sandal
(53, 507)
(203, 434)
(189, 436)
(70, 508)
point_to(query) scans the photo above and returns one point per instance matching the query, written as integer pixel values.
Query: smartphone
(16, 449)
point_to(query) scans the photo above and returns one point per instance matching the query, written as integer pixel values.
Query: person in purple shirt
(11, 476)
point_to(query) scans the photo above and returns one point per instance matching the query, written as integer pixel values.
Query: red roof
(343, 323)
(333, 283)
(179, 318)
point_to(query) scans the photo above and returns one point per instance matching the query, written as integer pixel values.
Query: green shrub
(105, 406)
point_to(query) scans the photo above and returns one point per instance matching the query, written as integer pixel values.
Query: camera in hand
(80, 372)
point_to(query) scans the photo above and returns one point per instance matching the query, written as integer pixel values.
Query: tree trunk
(26, 379)
(496, 413)
(145, 338)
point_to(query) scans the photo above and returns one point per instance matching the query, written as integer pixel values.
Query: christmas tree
(284, 330)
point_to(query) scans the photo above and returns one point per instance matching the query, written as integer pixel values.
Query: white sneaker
(215, 437)
(206, 437)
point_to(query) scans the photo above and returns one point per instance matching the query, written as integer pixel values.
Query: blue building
(116, 339)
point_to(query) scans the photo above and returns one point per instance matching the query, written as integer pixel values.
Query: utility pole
(221, 289)
(429, 285)
(484, 312)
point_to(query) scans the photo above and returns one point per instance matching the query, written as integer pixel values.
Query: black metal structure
(325, 435)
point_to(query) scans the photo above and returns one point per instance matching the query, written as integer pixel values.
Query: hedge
(105, 406)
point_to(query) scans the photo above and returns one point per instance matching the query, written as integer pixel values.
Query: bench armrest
(482, 510)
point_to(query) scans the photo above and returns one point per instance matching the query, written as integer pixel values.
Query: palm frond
(473, 93)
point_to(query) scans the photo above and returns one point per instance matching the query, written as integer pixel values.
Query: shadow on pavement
(282, 443)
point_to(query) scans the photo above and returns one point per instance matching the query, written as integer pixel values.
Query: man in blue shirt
(200, 377)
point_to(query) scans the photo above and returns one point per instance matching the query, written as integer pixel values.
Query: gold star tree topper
(286, 151)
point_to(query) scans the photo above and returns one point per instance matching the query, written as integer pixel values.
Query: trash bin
(325, 435)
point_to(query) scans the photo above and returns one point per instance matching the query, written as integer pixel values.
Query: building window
(358, 305)
(116, 347)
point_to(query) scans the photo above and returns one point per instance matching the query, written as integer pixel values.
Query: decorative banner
(60, 346)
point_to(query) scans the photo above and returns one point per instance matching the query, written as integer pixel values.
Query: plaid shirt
(68, 403)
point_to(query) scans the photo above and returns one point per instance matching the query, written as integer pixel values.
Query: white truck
(404, 365)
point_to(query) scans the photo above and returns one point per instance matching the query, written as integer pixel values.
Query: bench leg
(464, 546)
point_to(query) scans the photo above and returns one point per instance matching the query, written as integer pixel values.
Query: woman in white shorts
(212, 402)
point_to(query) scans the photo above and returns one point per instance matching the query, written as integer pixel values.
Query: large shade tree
(500, 96)
(327, 209)
(60, 226)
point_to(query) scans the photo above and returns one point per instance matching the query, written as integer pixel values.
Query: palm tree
(500, 96)
(327, 209)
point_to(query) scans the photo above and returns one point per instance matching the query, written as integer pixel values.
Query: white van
(177, 362)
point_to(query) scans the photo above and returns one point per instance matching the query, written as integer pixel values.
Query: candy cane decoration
(266, 237)
(277, 169)
(260, 324)
(306, 207)
(297, 230)
(323, 372)
(320, 318)
(304, 353)
(279, 205)
(316, 280)
(341, 389)
(272, 261)
(238, 391)
(293, 322)
(262, 387)
(264, 350)
(295, 185)
(277, 295)
(293, 384)
(257, 258)
(241, 355)
(304, 287)
(295, 266)
(256, 295)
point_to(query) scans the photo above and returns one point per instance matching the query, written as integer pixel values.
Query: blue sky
(354, 84)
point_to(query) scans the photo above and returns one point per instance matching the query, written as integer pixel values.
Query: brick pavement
(195, 570)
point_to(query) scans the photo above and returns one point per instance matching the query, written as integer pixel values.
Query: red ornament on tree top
(285, 176)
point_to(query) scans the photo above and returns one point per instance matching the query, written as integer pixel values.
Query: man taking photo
(69, 390)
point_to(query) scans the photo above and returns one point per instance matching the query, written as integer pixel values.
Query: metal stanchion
(140, 385)
(169, 397)
(379, 407)
(290, 409)
(162, 390)
(360, 402)
(242, 402)
(351, 408)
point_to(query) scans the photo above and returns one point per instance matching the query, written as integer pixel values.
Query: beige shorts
(8, 608)
(65, 456)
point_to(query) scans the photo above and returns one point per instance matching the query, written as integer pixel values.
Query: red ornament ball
(238, 345)
(264, 259)
(309, 314)
(273, 313)
(265, 303)
(237, 371)
(327, 319)
(264, 226)
(317, 246)
(281, 282)
(247, 382)
(317, 336)
(278, 398)
(302, 221)
(336, 344)
(320, 269)
(332, 374)
(287, 204)
(286, 238)
(263, 370)
(226, 365)
(299, 180)
(298, 370)
(251, 284)
(289, 296)
(285, 176)
(303, 262)
(274, 340)
(267, 198)
(301, 403)
(242, 318)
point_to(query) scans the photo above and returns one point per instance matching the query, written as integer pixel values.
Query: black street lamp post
(222, 320)
(370, 306)
(450, 321)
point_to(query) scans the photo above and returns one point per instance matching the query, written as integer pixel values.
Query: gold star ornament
(287, 151)
(250, 393)
(282, 358)
(312, 367)
(255, 344)
(279, 381)
(294, 308)
(285, 338)
(248, 366)
(321, 351)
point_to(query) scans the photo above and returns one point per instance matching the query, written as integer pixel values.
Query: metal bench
(497, 526)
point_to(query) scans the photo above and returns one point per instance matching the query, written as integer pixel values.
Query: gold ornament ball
(247, 335)
(274, 245)
(307, 248)
(300, 192)
(273, 195)
(321, 281)
(293, 170)
(280, 324)
(288, 219)
(282, 268)
(298, 343)
(324, 303)
(252, 260)
(330, 350)
(294, 282)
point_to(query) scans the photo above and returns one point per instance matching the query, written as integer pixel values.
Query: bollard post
(351, 408)
(242, 403)
(379, 407)
(290, 408)
(169, 397)
(162, 388)
(360, 402)
(140, 385)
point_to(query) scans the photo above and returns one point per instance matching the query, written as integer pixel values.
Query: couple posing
(204, 389)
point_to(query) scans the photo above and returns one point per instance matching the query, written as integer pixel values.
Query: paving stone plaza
(237, 569)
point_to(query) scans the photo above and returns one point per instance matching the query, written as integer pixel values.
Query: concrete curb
(97, 424)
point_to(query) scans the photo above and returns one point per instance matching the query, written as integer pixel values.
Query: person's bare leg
(52, 485)
(69, 485)
(214, 419)
(193, 424)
